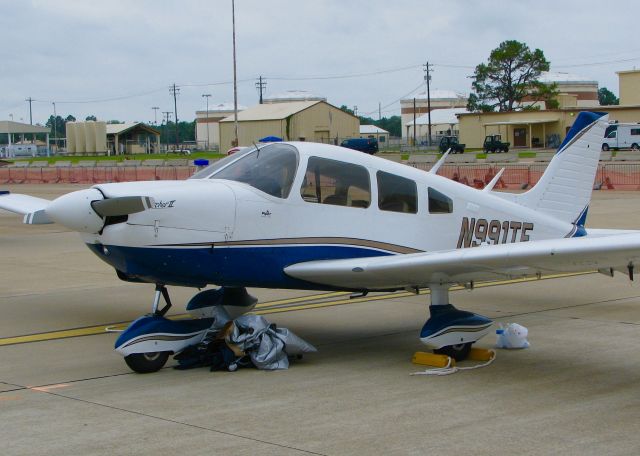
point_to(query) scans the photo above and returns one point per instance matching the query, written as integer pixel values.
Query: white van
(622, 136)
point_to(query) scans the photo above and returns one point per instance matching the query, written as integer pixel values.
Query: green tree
(607, 98)
(509, 76)
(91, 118)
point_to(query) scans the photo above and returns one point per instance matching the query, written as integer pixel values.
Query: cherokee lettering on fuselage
(476, 232)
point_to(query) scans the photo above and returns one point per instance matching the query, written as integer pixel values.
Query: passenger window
(396, 194)
(439, 203)
(335, 182)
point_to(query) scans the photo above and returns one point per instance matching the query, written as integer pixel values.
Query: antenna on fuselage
(494, 181)
(439, 163)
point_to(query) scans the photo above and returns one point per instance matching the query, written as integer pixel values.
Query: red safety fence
(93, 175)
(612, 176)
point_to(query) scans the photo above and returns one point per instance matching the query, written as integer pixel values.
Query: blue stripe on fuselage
(260, 267)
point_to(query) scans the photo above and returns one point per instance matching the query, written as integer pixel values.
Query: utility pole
(261, 86)
(30, 115)
(207, 95)
(155, 115)
(175, 91)
(414, 121)
(379, 111)
(168, 116)
(55, 126)
(427, 78)
(235, 79)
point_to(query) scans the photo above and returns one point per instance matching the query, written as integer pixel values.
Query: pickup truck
(493, 143)
(451, 142)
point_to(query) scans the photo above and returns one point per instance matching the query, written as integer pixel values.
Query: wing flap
(480, 263)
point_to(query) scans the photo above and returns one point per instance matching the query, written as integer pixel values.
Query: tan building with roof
(207, 129)
(316, 121)
(438, 99)
(548, 127)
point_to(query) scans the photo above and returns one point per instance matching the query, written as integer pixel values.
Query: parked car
(451, 142)
(493, 143)
(367, 145)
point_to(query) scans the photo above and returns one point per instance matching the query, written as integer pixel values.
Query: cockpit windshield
(270, 168)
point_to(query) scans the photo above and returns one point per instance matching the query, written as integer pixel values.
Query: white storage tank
(81, 144)
(101, 137)
(71, 137)
(90, 136)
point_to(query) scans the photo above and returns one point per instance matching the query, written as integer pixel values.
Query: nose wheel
(146, 363)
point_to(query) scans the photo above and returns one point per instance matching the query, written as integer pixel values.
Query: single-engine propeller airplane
(302, 215)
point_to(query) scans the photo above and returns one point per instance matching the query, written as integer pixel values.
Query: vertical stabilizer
(564, 190)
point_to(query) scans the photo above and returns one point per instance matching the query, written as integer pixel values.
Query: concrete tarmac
(575, 391)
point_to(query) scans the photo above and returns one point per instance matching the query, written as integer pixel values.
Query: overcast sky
(115, 59)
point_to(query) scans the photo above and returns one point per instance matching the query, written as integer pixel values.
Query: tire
(146, 363)
(605, 146)
(506, 149)
(634, 146)
(458, 352)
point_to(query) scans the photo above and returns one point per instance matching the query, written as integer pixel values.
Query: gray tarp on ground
(267, 345)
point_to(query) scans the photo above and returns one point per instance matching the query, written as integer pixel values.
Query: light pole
(155, 115)
(235, 80)
(206, 96)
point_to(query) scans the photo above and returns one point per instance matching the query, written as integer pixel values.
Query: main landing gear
(149, 341)
(450, 331)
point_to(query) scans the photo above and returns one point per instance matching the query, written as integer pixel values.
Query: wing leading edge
(479, 263)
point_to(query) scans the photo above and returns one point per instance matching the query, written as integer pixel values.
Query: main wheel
(605, 146)
(634, 146)
(145, 363)
(458, 352)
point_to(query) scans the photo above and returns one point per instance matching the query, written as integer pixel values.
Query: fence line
(613, 176)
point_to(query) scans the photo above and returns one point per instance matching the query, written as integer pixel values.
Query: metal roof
(523, 122)
(293, 95)
(272, 111)
(117, 129)
(372, 129)
(8, 126)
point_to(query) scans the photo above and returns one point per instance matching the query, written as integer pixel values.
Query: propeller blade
(122, 205)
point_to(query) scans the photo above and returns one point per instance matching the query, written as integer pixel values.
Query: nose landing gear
(149, 341)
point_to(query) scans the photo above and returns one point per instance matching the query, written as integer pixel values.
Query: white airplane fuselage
(219, 231)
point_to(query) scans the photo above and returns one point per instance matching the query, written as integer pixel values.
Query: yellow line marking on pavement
(10, 398)
(271, 307)
(45, 389)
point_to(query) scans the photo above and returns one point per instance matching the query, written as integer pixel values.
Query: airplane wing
(490, 262)
(21, 204)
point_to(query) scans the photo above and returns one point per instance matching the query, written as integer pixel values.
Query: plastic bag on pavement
(512, 335)
(268, 346)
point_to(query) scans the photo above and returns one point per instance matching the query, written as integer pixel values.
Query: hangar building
(314, 120)
(207, 129)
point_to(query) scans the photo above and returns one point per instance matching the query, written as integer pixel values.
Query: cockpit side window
(335, 182)
(270, 169)
(397, 194)
(439, 203)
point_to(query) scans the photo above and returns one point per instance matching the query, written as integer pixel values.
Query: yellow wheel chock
(434, 360)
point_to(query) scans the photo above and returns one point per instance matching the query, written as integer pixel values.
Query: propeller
(122, 205)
